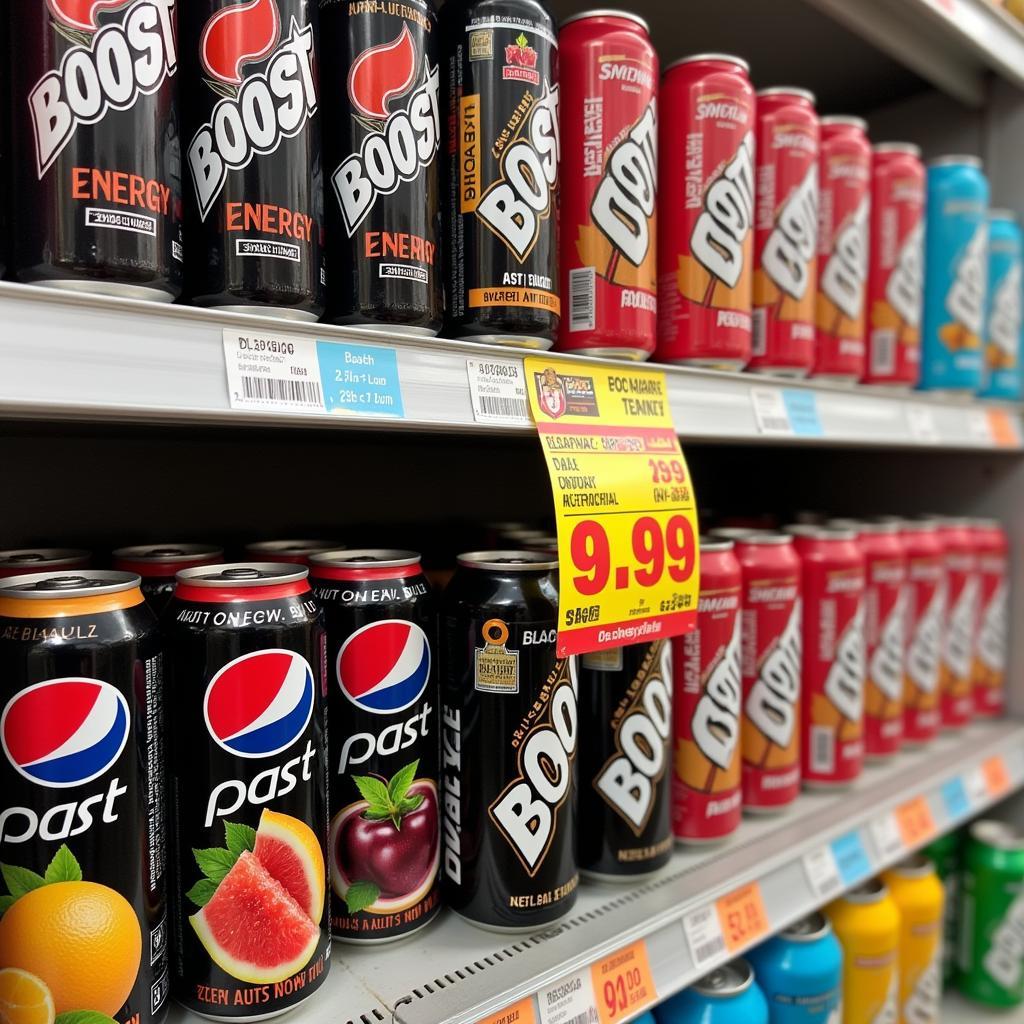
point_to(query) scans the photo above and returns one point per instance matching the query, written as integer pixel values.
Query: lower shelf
(958, 1010)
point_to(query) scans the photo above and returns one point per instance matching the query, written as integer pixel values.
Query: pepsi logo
(259, 704)
(384, 666)
(64, 732)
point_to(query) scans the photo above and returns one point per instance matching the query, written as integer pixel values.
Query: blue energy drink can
(1001, 373)
(800, 972)
(956, 275)
(728, 995)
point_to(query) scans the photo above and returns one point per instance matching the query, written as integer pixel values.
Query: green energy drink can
(945, 854)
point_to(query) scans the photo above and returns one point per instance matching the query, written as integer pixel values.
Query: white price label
(823, 872)
(704, 935)
(272, 373)
(978, 426)
(569, 1001)
(921, 424)
(497, 388)
(977, 788)
(885, 833)
(770, 412)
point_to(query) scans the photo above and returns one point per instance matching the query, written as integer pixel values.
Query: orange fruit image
(24, 998)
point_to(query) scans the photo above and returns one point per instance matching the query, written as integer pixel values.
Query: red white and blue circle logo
(259, 704)
(384, 666)
(64, 732)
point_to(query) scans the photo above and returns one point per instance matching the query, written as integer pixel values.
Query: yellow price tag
(624, 504)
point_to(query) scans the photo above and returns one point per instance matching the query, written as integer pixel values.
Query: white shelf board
(956, 1009)
(69, 355)
(452, 973)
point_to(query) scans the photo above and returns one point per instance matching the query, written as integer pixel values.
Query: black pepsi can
(82, 836)
(248, 790)
(18, 561)
(509, 731)
(254, 197)
(158, 564)
(384, 845)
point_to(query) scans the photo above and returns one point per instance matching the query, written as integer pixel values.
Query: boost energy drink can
(988, 673)
(625, 710)
(728, 995)
(158, 564)
(706, 790)
(956, 283)
(706, 212)
(800, 971)
(609, 125)
(945, 854)
(18, 561)
(895, 266)
(786, 233)
(248, 790)
(82, 836)
(292, 552)
(384, 847)
(844, 180)
(509, 732)
(97, 154)
(1002, 375)
(501, 211)
(956, 702)
(382, 133)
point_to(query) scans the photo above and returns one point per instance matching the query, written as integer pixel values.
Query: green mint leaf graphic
(373, 791)
(6, 902)
(239, 838)
(410, 803)
(202, 892)
(20, 880)
(63, 867)
(361, 895)
(83, 1017)
(401, 781)
(376, 815)
(215, 863)
(521, 41)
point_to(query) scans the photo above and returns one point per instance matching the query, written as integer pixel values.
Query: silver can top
(369, 558)
(998, 834)
(807, 929)
(725, 58)
(159, 554)
(956, 160)
(508, 561)
(726, 981)
(898, 147)
(34, 557)
(43, 586)
(788, 90)
(301, 548)
(845, 119)
(243, 574)
(712, 542)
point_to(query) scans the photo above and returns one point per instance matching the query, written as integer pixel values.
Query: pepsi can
(82, 836)
(158, 564)
(1002, 378)
(294, 551)
(800, 971)
(728, 995)
(19, 561)
(956, 275)
(248, 790)
(384, 849)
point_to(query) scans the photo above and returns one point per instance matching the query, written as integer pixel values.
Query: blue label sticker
(954, 798)
(802, 407)
(851, 858)
(360, 379)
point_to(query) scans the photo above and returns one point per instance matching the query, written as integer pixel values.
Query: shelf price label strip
(624, 504)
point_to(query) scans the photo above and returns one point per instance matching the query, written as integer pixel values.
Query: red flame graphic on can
(382, 73)
(82, 14)
(239, 35)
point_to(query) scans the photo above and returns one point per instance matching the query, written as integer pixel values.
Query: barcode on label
(498, 405)
(707, 950)
(269, 390)
(780, 423)
(759, 332)
(823, 749)
(589, 1016)
(581, 299)
(883, 352)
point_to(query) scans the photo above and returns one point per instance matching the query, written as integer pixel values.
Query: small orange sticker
(1003, 429)
(518, 1013)
(997, 778)
(743, 917)
(915, 822)
(623, 983)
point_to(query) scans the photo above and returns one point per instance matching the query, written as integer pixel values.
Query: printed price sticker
(977, 787)
(497, 389)
(623, 984)
(851, 857)
(997, 778)
(823, 873)
(1003, 429)
(954, 798)
(569, 1001)
(518, 1013)
(921, 423)
(886, 835)
(977, 426)
(624, 504)
(704, 936)
(743, 917)
(915, 821)
(802, 409)
(770, 412)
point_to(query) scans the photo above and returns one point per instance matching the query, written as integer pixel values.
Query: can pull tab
(67, 583)
(241, 572)
(27, 558)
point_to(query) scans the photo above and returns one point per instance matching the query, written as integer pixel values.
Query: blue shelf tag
(851, 858)
(802, 408)
(360, 379)
(954, 798)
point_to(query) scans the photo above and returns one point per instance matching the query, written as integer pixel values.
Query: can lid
(243, 574)
(726, 58)
(734, 532)
(919, 525)
(160, 553)
(958, 522)
(999, 834)
(871, 891)
(712, 542)
(606, 12)
(300, 548)
(808, 929)
(771, 539)
(956, 160)
(814, 531)
(366, 558)
(883, 526)
(508, 561)
(845, 119)
(917, 865)
(41, 556)
(1002, 213)
(728, 980)
(898, 147)
(86, 583)
(788, 90)
(982, 523)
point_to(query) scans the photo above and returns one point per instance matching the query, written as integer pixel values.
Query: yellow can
(867, 923)
(920, 898)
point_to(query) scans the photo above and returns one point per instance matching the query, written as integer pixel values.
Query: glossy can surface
(988, 673)
(728, 995)
(961, 626)
(1002, 374)
(19, 561)
(158, 564)
(946, 854)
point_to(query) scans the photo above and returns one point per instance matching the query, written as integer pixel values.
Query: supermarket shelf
(453, 973)
(958, 1010)
(74, 356)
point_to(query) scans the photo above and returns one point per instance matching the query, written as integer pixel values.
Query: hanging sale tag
(624, 504)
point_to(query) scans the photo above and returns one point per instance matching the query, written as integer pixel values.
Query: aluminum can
(956, 281)
(867, 923)
(501, 211)
(707, 783)
(293, 552)
(382, 134)
(18, 561)
(81, 726)
(945, 853)
(771, 666)
(1001, 377)
(625, 711)
(786, 233)
(728, 995)
(895, 266)
(248, 790)
(988, 674)
(158, 564)
(800, 971)
(97, 154)
(989, 965)
(706, 213)
(609, 128)
(834, 667)
(963, 583)
(844, 210)
(509, 706)
(926, 619)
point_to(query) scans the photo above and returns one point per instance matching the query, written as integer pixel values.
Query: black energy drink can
(625, 713)
(382, 136)
(502, 204)
(18, 561)
(294, 551)
(248, 790)
(82, 836)
(254, 198)
(384, 846)
(158, 564)
(509, 732)
(97, 156)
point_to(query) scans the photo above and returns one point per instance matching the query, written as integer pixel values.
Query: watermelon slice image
(289, 851)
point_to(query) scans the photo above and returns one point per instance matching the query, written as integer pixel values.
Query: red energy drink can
(988, 674)
(770, 665)
(926, 617)
(18, 561)
(895, 266)
(786, 233)
(956, 700)
(706, 787)
(706, 200)
(832, 736)
(844, 182)
(609, 126)
(158, 564)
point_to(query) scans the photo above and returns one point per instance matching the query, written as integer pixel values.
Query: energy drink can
(291, 552)
(728, 995)
(945, 854)
(19, 561)
(961, 627)
(988, 674)
(1002, 376)
(158, 564)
